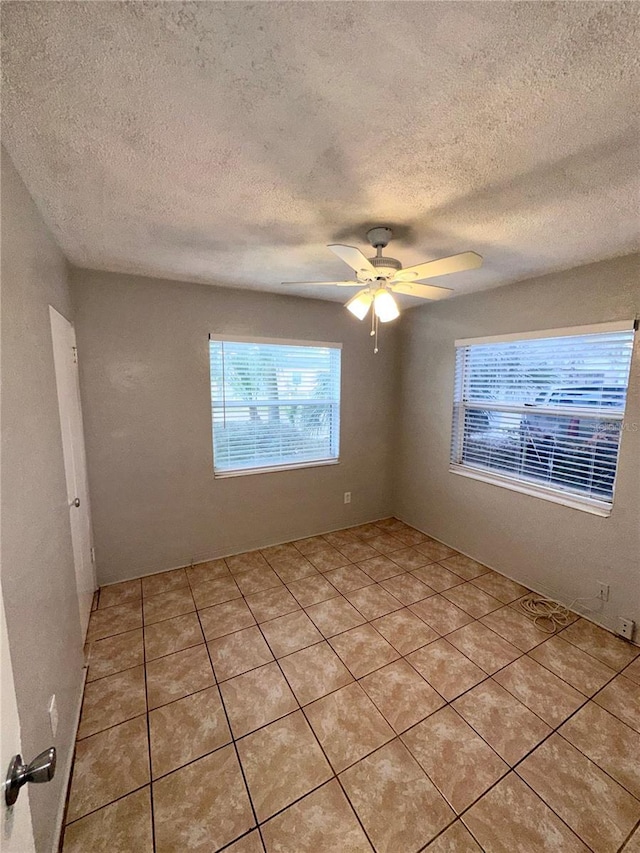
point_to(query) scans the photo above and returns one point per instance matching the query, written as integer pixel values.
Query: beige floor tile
(250, 843)
(257, 580)
(288, 634)
(601, 644)
(187, 729)
(204, 572)
(109, 765)
(400, 808)
(373, 601)
(505, 723)
(464, 566)
(585, 673)
(404, 630)
(282, 762)
(121, 827)
(608, 742)
(115, 654)
(512, 819)
(622, 698)
(114, 620)
(409, 558)
(278, 550)
(236, 653)
(362, 650)
(215, 592)
(239, 563)
(485, 648)
(437, 577)
(403, 696)
(410, 536)
(386, 543)
(311, 590)
(177, 675)
(455, 839)
(214, 811)
(366, 531)
(334, 616)
(590, 802)
(500, 587)
(348, 578)
(256, 698)
(407, 588)
(163, 582)
(434, 550)
(272, 603)
(633, 844)
(172, 635)
(167, 605)
(322, 822)
(225, 618)
(314, 672)
(348, 725)
(293, 568)
(340, 537)
(446, 669)
(547, 695)
(472, 600)
(112, 700)
(119, 593)
(357, 551)
(633, 671)
(330, 558)
(515, 627)
(455, 758)
(311, 544)
(380, 568)
(440, 614)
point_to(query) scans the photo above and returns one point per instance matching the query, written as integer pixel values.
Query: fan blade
(422, 291)
(354, 258)
(335, 283)
(443, 266)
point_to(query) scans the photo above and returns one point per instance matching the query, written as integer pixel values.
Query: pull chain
(375, 344)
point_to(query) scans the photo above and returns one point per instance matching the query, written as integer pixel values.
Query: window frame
(285, 466)
(515, 482)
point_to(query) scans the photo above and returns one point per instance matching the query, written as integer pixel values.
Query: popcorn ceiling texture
(228, 142)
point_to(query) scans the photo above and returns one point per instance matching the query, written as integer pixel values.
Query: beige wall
(561, 552)
(38, 579)
(143, 355)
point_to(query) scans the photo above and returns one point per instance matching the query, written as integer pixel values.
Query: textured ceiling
(228, 142)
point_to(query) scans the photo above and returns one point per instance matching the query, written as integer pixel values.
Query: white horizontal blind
(274, 405)
(544, 411)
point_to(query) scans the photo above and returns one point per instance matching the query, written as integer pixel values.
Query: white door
(16, 834)
(66, 367)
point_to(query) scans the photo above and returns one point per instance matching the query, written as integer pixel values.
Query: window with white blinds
(543, 413)
(275, 404)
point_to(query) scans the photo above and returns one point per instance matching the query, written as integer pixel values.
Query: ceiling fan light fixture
(359, 304)
(385, 306)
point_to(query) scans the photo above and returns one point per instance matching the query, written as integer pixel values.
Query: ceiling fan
(382, 276)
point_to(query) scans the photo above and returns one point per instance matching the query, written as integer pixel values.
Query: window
(542, 413)
(275, 404)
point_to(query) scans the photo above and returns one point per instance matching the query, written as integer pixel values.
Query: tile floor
(367, 689)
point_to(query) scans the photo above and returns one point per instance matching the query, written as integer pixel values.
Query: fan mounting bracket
(379, 236)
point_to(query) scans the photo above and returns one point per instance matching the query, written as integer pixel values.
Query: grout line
(148, 721)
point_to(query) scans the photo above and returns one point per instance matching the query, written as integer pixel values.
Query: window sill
(244, 472)
(554, 496)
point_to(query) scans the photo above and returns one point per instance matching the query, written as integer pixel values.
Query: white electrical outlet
(625, 627)
(347, 497)
(53, 715)
(603, 591)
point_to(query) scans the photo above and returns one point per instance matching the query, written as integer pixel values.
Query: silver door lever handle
(41, 769)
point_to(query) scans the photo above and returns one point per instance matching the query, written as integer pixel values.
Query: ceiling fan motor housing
(386, 266)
